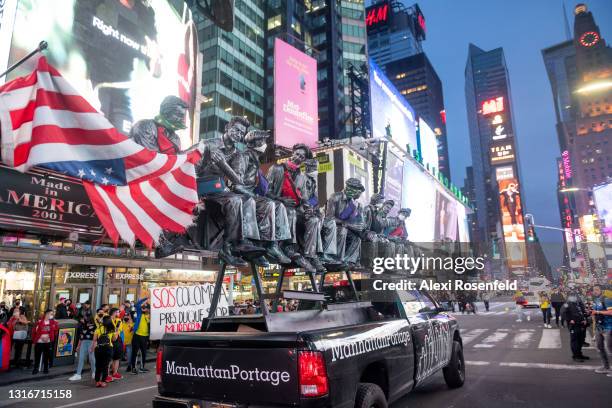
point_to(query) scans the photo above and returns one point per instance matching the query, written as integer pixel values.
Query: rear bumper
(167, 402)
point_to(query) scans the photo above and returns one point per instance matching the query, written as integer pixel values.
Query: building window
(274, 22)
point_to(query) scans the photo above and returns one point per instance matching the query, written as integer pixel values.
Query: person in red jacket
(43, 336)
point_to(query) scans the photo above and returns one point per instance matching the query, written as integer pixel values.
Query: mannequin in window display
(282, 178)
(343, 208)
(319, 248)
(220, 181)
(272, 220)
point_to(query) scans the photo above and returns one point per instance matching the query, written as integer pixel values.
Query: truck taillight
(312, 374)
(158, 364)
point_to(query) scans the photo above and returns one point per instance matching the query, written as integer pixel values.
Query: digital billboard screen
(295, 96)
(391, 113)
(428, 144)
(446, 216)
(393, 180)
(419, 194)
(123, 57)
(603, 202)
(356, 166)
(511, 209)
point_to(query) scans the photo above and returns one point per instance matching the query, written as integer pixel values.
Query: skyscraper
(591, 148)
(395, 34)
(499, 201)
(233, 69)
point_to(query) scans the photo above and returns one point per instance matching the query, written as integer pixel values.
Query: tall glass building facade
(233, 68)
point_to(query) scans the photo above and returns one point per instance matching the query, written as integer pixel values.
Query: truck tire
(454, 372)
(370, 396)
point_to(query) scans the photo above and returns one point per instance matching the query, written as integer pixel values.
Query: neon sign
(493, 105)
(567, 165)
(377, 14)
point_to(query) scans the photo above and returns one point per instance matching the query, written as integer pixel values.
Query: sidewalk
(18, 375)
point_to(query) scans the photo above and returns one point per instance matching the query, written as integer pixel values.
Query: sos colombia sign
(47, 203)
(182, 308)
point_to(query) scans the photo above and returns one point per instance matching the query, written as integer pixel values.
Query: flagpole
(41, 47)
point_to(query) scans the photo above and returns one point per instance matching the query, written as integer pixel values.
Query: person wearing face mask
(575, 315)
(346, 211)
(282, 188)
(18, 326)
(159, 134)
(272, 219)
(43, 336)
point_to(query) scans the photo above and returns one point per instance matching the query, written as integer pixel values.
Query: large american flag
(135, 192)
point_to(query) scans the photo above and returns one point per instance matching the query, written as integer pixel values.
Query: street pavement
(509, 364)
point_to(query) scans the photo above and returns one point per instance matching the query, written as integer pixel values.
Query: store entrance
(77, 293)
(115, 295)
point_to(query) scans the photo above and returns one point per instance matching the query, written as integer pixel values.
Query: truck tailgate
(231, 367)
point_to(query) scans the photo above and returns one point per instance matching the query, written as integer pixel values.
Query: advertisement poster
(603, 202)
(123, 57)
(511, 209)
(419, 194)
(391, 113)
(295, 96)
(65, 342)
(357, 167)
(428, 144)
(446, 217)
(182, 308)
(393, 181)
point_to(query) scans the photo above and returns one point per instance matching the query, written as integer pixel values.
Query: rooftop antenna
(568, 36)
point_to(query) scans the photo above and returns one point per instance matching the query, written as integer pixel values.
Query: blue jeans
(128, 353)
(84, 351)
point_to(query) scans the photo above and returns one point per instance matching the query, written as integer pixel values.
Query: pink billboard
(295, 96)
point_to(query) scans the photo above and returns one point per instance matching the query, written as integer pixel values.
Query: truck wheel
(454, 372)
(370, 396)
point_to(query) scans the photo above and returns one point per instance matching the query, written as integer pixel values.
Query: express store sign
(47, 203)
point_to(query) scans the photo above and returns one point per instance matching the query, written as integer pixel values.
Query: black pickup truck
(334, 351)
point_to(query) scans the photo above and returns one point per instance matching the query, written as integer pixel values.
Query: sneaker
(35, 371)
(134, 371)
(578, 359)
(519, 320)
(117, 376)
(585, 357)
(128, 369)
(99, 384)
(143, 370)
(603, 370)
(75, 377)
(108, 379)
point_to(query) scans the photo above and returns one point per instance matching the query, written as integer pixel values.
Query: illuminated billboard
(355, 165)
(393, 180)
(295, 96)
(428, 144)
(377, 15)
(123, 57)
(493, 105)
(502, 153)
(511, 209)
(391, 113)
(603, 202)
(446, 216)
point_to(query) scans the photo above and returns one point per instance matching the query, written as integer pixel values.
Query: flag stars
(104, 180)
(92, 172)
(108, 170)
(81, 173)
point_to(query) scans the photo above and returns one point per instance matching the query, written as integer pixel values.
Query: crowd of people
(104, 338)
(580, 310)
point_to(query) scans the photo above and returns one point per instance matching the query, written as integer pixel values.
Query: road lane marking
(550, 366)
(522, 339)
(478, 363)
(551, 339)
(471, 335)
(490, 340)
(74, 404)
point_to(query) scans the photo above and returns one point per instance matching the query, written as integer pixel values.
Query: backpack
(104, 340)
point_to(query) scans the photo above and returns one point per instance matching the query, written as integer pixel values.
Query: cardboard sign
(182, 308)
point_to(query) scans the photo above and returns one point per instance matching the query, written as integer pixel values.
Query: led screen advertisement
(446, 217)
(391, 113)
(428, 144)
(393, 180)
(603, 202)
(354, 165)
(511, 209)
(295, 96)
(419, 194)
(124, 57)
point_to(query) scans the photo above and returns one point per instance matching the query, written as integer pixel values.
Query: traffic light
(531, 235)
